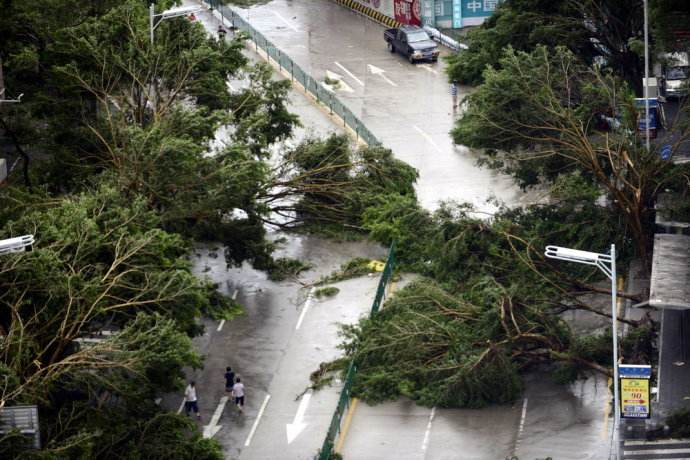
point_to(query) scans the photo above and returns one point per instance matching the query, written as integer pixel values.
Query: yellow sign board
(634, 398)
(376, 265)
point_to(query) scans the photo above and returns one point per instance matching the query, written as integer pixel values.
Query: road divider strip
(346, 425)
(337, 431)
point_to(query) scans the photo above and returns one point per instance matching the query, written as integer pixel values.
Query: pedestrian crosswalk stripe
(656, 443)
(676, 449)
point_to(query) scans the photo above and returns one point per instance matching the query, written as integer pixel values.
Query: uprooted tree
(487, 307)
(562, 121)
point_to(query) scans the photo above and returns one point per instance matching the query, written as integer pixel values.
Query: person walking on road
(229, 379)
(454, 94)
(190, 400)
(238, 393)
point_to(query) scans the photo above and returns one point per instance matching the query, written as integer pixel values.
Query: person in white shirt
(238, 393)
(190, 401)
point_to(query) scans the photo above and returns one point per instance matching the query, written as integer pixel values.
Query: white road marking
(342, 86)
(287, 23)
(518, 439)
(350, 74)
(427, 434)
(212, 428)
(297, 426)
(307, 304)
(428, 68)
(428, 138)
(380, 72)
(179, 411)
(220, 325)
(256, 422)
(234, 294)
(661, 350)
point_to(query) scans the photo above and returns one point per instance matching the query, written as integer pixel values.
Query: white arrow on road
(212, 428)
(428, 68)
(297, 426)
(380, 72)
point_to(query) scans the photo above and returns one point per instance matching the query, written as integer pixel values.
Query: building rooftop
(670, 281)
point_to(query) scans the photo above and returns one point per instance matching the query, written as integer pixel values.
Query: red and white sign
(408, 12)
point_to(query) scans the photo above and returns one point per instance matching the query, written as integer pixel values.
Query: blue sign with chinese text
(639, 371)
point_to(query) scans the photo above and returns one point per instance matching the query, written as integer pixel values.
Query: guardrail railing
(344, 400)
(297, 74)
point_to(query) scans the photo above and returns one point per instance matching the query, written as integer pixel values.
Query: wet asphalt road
(275, 357)
(408, 107)
(283, 335)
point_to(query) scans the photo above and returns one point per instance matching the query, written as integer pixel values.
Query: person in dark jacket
(229, 379)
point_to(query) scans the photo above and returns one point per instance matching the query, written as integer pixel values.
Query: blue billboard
(472, 12)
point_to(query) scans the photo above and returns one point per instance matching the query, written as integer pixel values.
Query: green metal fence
(344, 400)
(322, 95)
(335, 106)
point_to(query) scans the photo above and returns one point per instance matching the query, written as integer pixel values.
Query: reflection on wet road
(408, 107)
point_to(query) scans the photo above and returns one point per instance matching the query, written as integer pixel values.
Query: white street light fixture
(18, 244)
(167, 14)
(607, 264)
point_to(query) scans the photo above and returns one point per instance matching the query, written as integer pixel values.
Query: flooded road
(408, 107)
(286, 332)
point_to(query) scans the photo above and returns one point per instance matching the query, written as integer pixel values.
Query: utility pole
(646, 72)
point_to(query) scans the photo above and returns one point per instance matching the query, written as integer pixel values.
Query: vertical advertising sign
(408, 12)
(634, 398)
(457, 14)
(635, 394)
(472, 12)
(428, 16)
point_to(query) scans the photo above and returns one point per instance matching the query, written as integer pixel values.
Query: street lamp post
(607, 264)
(646, 72)
(167, 14)
(18, 244)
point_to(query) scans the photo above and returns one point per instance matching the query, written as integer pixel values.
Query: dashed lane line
(307, 304)
(256, 422)
(287, 23)
(521, 428)
(222, 321)
(350, 74)
(428, 138)
(427, 433)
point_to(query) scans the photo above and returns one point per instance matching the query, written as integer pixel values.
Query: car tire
(390, 47)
